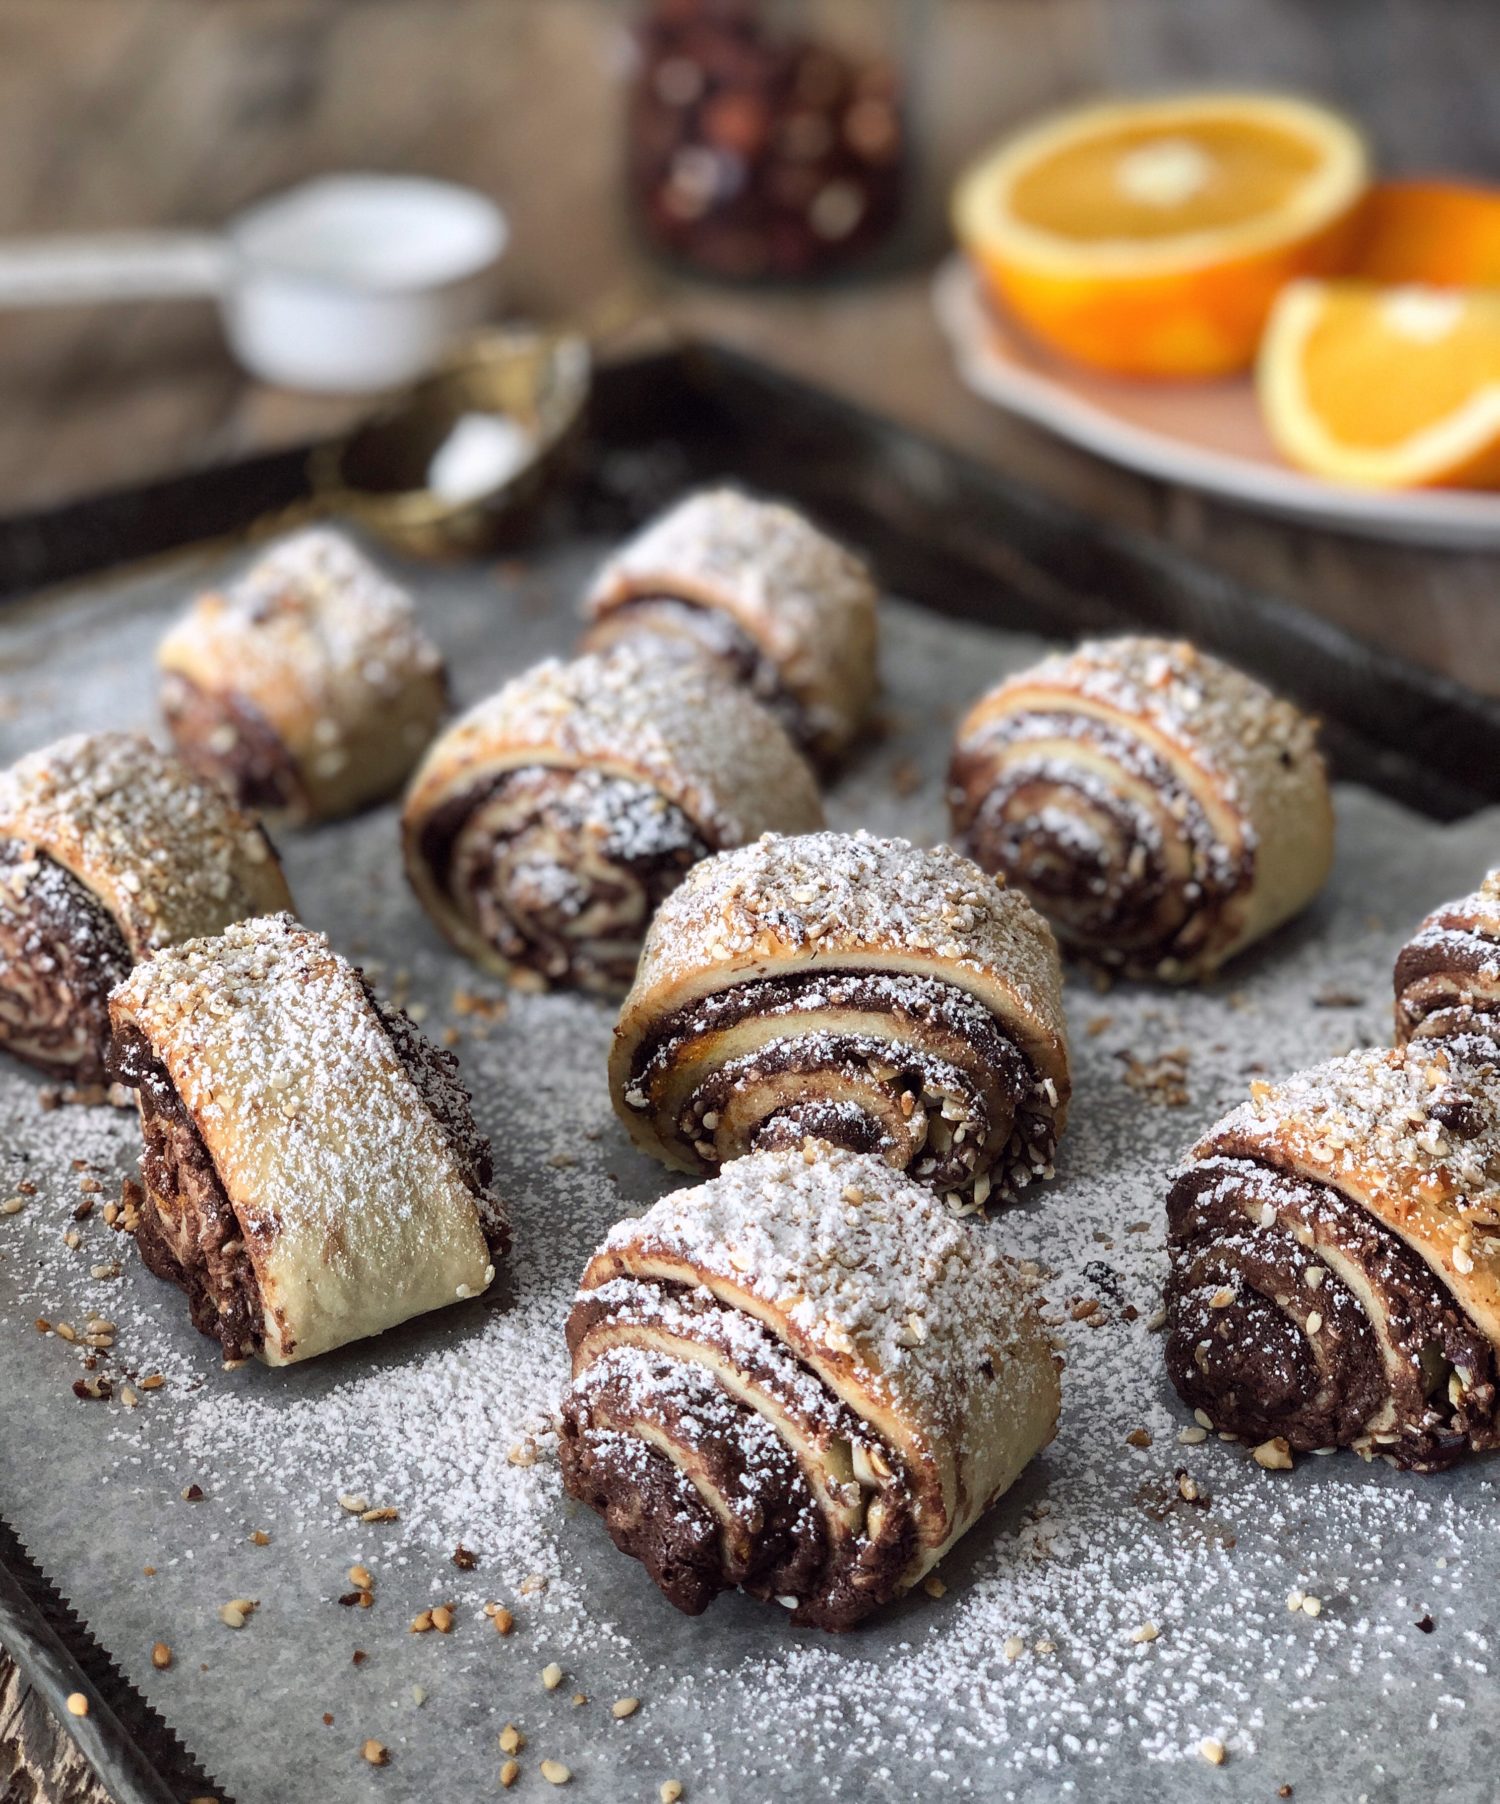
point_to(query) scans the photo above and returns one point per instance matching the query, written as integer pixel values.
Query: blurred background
(152, 113)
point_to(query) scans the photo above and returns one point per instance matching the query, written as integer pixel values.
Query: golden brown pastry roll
(1335, 1243)
(805, 1379)
(312, 1170)
(859, 990)
(547, 824)
(776, 605)
(109, 849)
(1448, 973)
(306, 688)
(1162, 809)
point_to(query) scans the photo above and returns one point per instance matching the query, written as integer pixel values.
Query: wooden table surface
(171, 112)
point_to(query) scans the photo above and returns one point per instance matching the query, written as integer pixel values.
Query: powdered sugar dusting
(804, 599)
(166, 854)
(1023, 1681)
(708, 748)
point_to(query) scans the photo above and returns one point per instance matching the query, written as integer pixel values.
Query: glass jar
(770, 140)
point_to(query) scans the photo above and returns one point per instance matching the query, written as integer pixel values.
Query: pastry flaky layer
(1448, 974)
(307, 687)
(549, 822)
(312, 1171)
(804, 1378)
(109, 849)
(1162, 809)
(1335, 1251)
(858, 990)
(776, 605)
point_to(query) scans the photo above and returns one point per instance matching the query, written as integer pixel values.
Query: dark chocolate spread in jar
(761, 149)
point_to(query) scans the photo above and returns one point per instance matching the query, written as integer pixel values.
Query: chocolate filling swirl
(1293, 1312)
(911, 1068)
(560, 870)
(719, 1461)
(227, 739)
(1100, 832)
(1448, 980)
(61, 953)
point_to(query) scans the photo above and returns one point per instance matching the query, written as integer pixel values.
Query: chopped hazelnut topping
(377, 1753)
(552, 1676)
(623, 1707)
(1212, 1750)
(78, 1704)
(161, 1656)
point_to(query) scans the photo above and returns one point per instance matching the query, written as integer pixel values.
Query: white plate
(1207, 436)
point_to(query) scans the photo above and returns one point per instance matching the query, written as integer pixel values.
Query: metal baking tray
(1420, 761)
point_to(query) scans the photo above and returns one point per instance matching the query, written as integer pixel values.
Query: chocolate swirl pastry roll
(1161, 809)
(804, 1379)
(307, 688)
(774, 604)
(857, 990)
(313, 1174)
(1335, 1245)
(548, 823)
(1448, 973)
(109, 849)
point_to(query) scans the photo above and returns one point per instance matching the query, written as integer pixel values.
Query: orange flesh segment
(1375, 386)
(1444, 232)
(1086, 190)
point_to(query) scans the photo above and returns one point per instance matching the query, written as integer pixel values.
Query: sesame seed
(623, 1707)
(511, 1739)
(552, 1676)
(671, 1791)
(509, 1773)
(555, 1773)
(1212, 1750)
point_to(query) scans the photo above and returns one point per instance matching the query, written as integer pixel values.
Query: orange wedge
(1390, 387)
(1150, 237)
(1444, 232)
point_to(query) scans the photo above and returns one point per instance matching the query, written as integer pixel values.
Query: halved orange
(1391, 387)
(1150, 237)
(1437, 231)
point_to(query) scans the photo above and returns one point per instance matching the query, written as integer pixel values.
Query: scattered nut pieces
(552, 1675)
(671, 1791)
(1148, 1631)
(934, 1586)
(1192, 1437)
(238, 1611)
(1212, 1750)
(501, 1617)
(442, 1619)
(193, 1494)
(1312, 1606)
(1138, 1437)
(1014, 1647)
(377, 1753)
(161, 1656)
(623, 1707)
(465, 1558)
(509, 1773)
(361, 1578)
(78, 1704)
(353, 1503)
(1275, 1455)
(384, 1514)
(259, 1538)
(511, 1739)
(555, 1773)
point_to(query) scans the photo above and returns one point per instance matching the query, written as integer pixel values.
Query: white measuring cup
(349, 283)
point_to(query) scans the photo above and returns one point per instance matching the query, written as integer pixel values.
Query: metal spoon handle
(111, 266)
